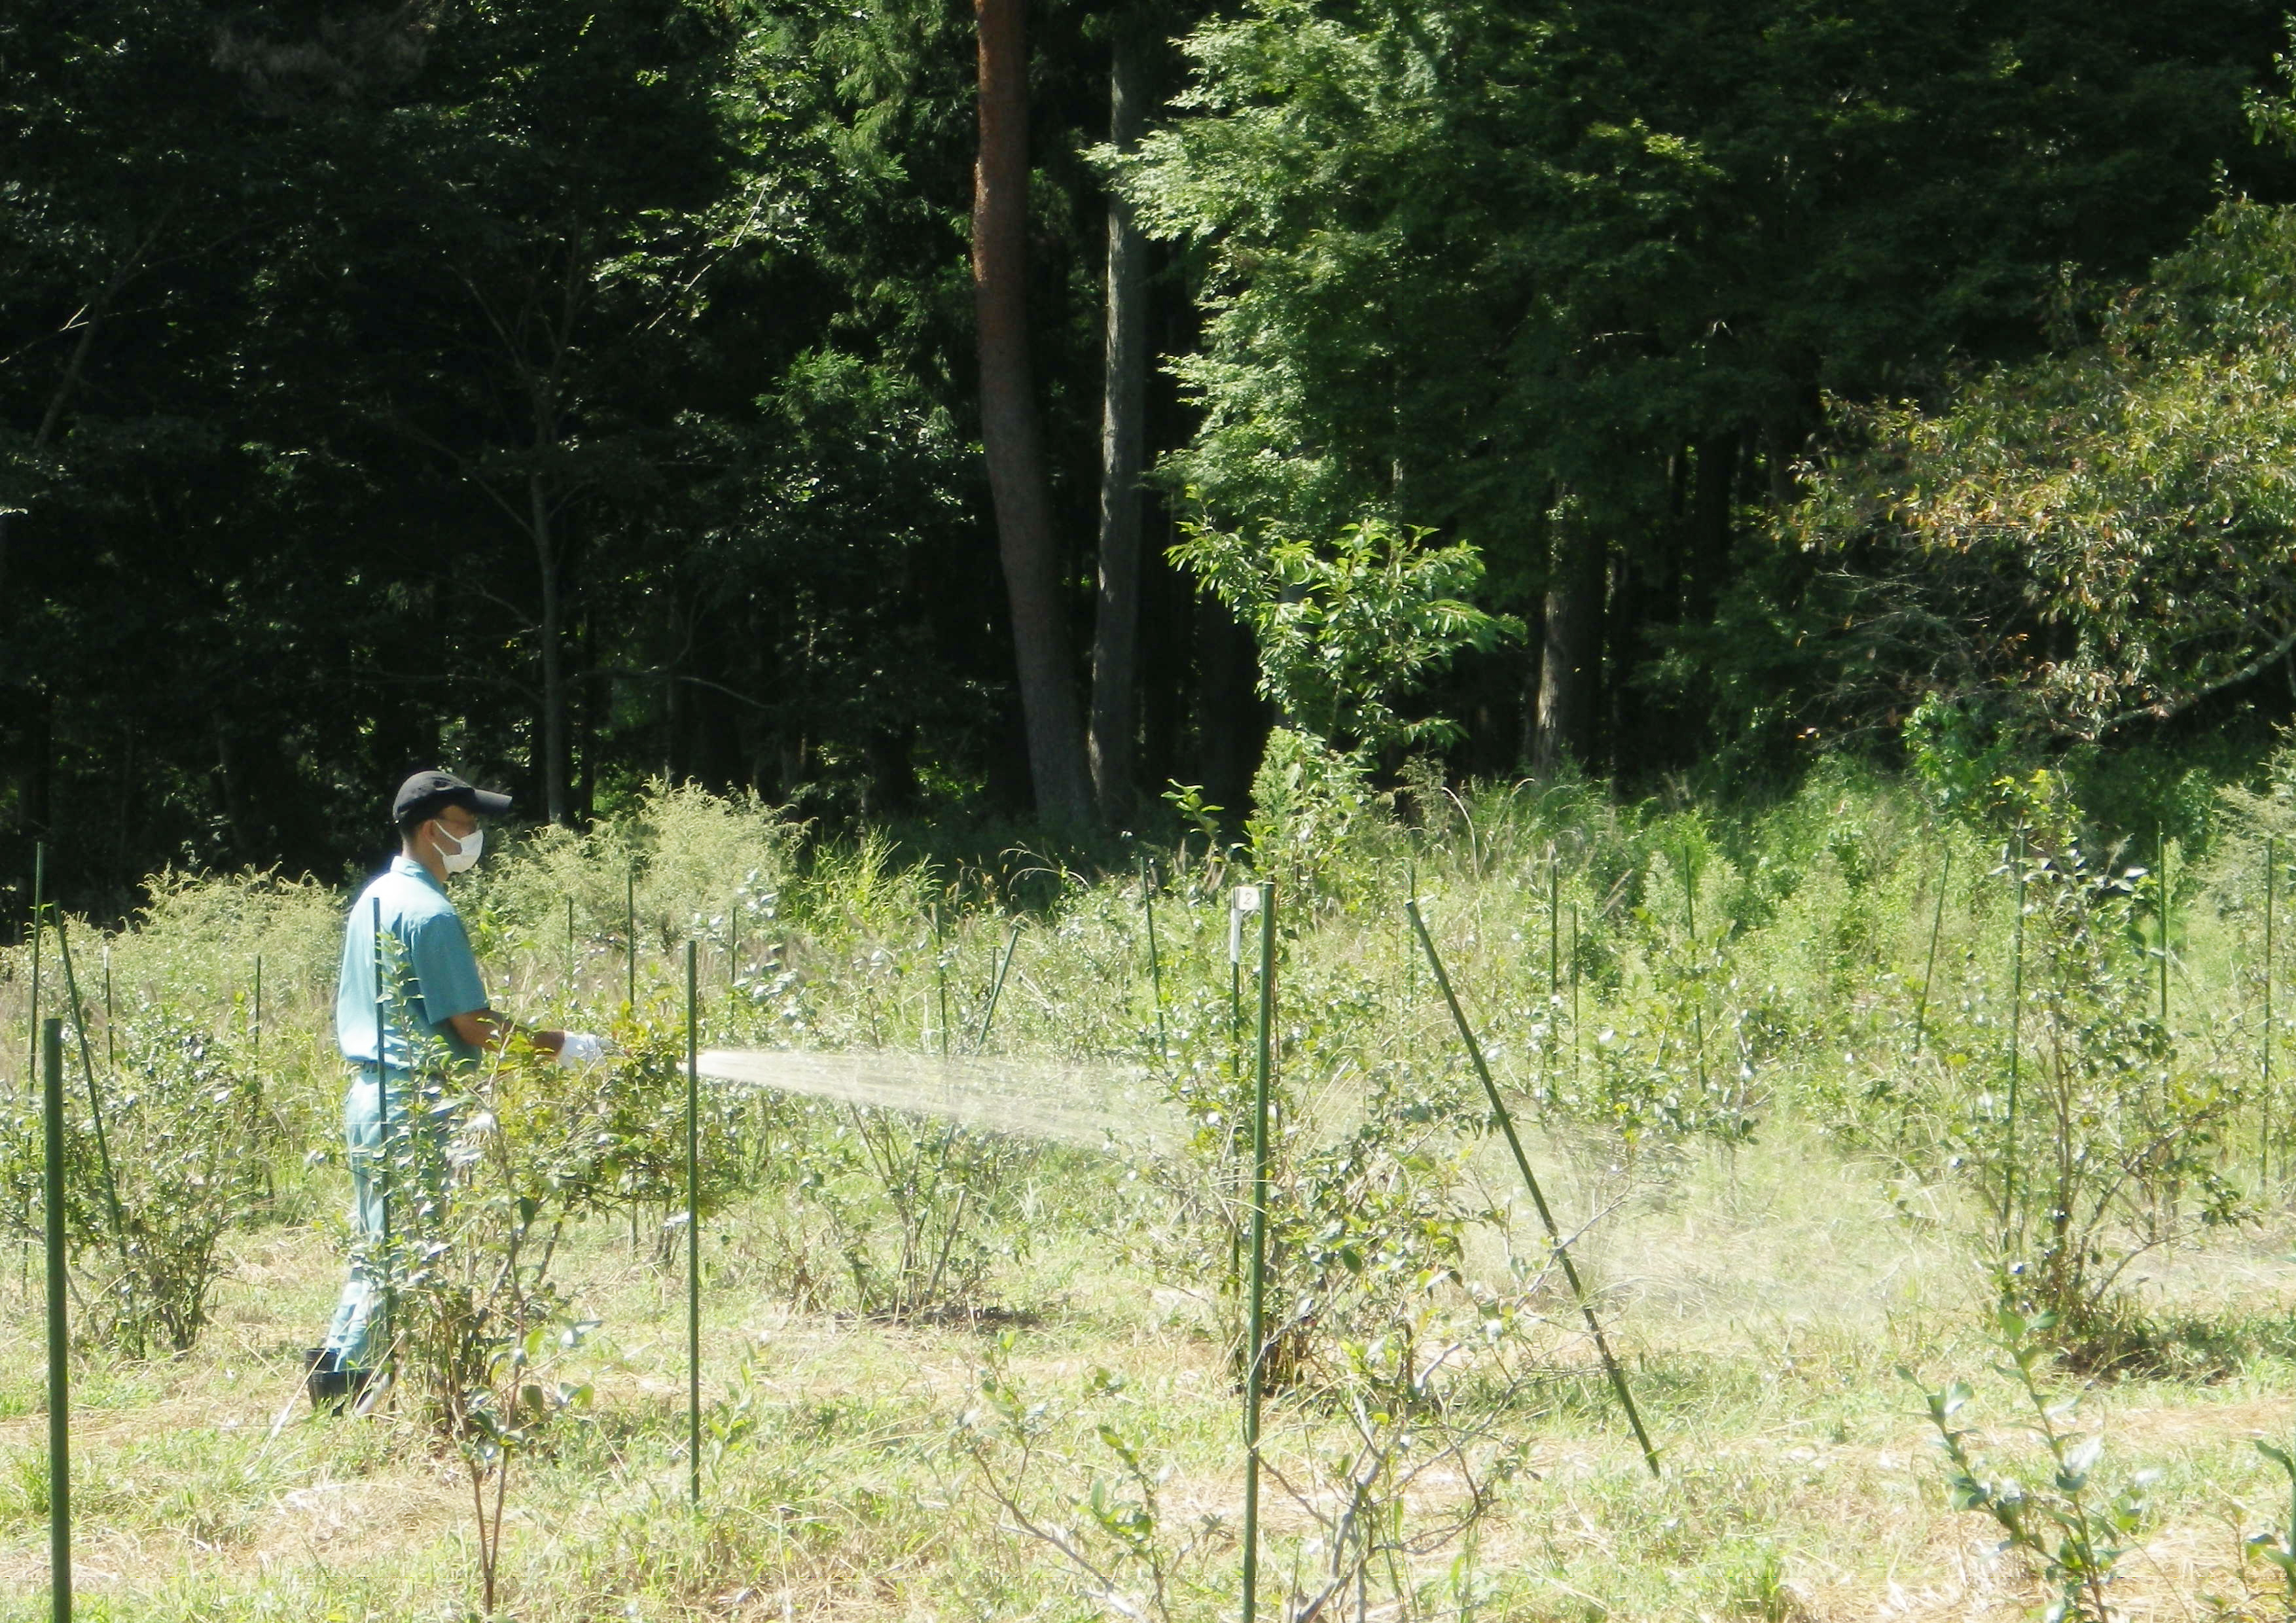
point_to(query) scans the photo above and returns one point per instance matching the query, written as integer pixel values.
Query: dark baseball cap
(428, 793)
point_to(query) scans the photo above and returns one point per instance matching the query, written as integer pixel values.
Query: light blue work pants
(353, 1333)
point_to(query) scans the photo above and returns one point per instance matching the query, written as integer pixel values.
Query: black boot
(328, 1382)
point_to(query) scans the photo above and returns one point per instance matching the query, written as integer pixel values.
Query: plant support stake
(39, 897)
(2164, 930)
(2017, 1021)
(2264, 1126)
(94, 1099)
(1155, 965)
(1538, 1199)
(51, 1124)
(1698, 1009)
(693, 1239)
(941, 980)
(1257, 1330)
(996, 988)
(1929, 975)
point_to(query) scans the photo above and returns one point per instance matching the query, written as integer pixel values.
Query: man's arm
(485, 1028)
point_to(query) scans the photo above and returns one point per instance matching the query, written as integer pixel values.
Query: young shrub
(189, 1144)
(2074, 1531)
(2106, 1147)
(885, 1213)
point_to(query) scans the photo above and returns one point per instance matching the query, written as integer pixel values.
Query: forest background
(949, 417)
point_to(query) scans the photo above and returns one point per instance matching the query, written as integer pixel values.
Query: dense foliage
(582, 396)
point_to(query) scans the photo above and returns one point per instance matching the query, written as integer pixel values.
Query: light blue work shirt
(438, 978)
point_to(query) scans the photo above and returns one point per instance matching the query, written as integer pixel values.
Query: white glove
(580, 1048)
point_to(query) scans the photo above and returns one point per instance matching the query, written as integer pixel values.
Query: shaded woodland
(811, 399)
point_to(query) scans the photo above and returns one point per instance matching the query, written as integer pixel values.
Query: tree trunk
(1123, 406)
(1571, 651)
(1008, 435)
(554, 664)
(1706, 539)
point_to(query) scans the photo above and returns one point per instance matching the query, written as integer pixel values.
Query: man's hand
(579, 1048)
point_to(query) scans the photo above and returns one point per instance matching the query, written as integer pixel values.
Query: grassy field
(1772, 1146)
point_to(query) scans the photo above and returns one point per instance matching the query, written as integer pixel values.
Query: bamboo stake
(1255, 1342)
(1538, 1197)
(693, 1239)
(52, 1120)
(1929, 975)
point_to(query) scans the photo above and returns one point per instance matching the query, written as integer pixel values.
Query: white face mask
(458, 855)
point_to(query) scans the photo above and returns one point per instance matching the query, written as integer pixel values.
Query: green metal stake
(692, 1238)
(2264, 1127)
(94, 1099)
(52, 1120)
(1155, 965)
(988, 1015)
(941, 980)
(39, 899)
(630, 916)
(2164, 928)
(571, 969)
(110, 1048)
(383, 1117)
(1929, 975)
(1575, 939)
(1538, 1199)
(2016, 1023)
(1553, 927)
(1698, 1009)
(258, 1010)
(1256, 1332)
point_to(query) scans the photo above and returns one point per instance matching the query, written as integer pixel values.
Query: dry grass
(1766, 1299)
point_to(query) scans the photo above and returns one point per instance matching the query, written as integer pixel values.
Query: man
(441, 996)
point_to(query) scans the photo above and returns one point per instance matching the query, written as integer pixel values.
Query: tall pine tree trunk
(1123, 403)
(1026, 542)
